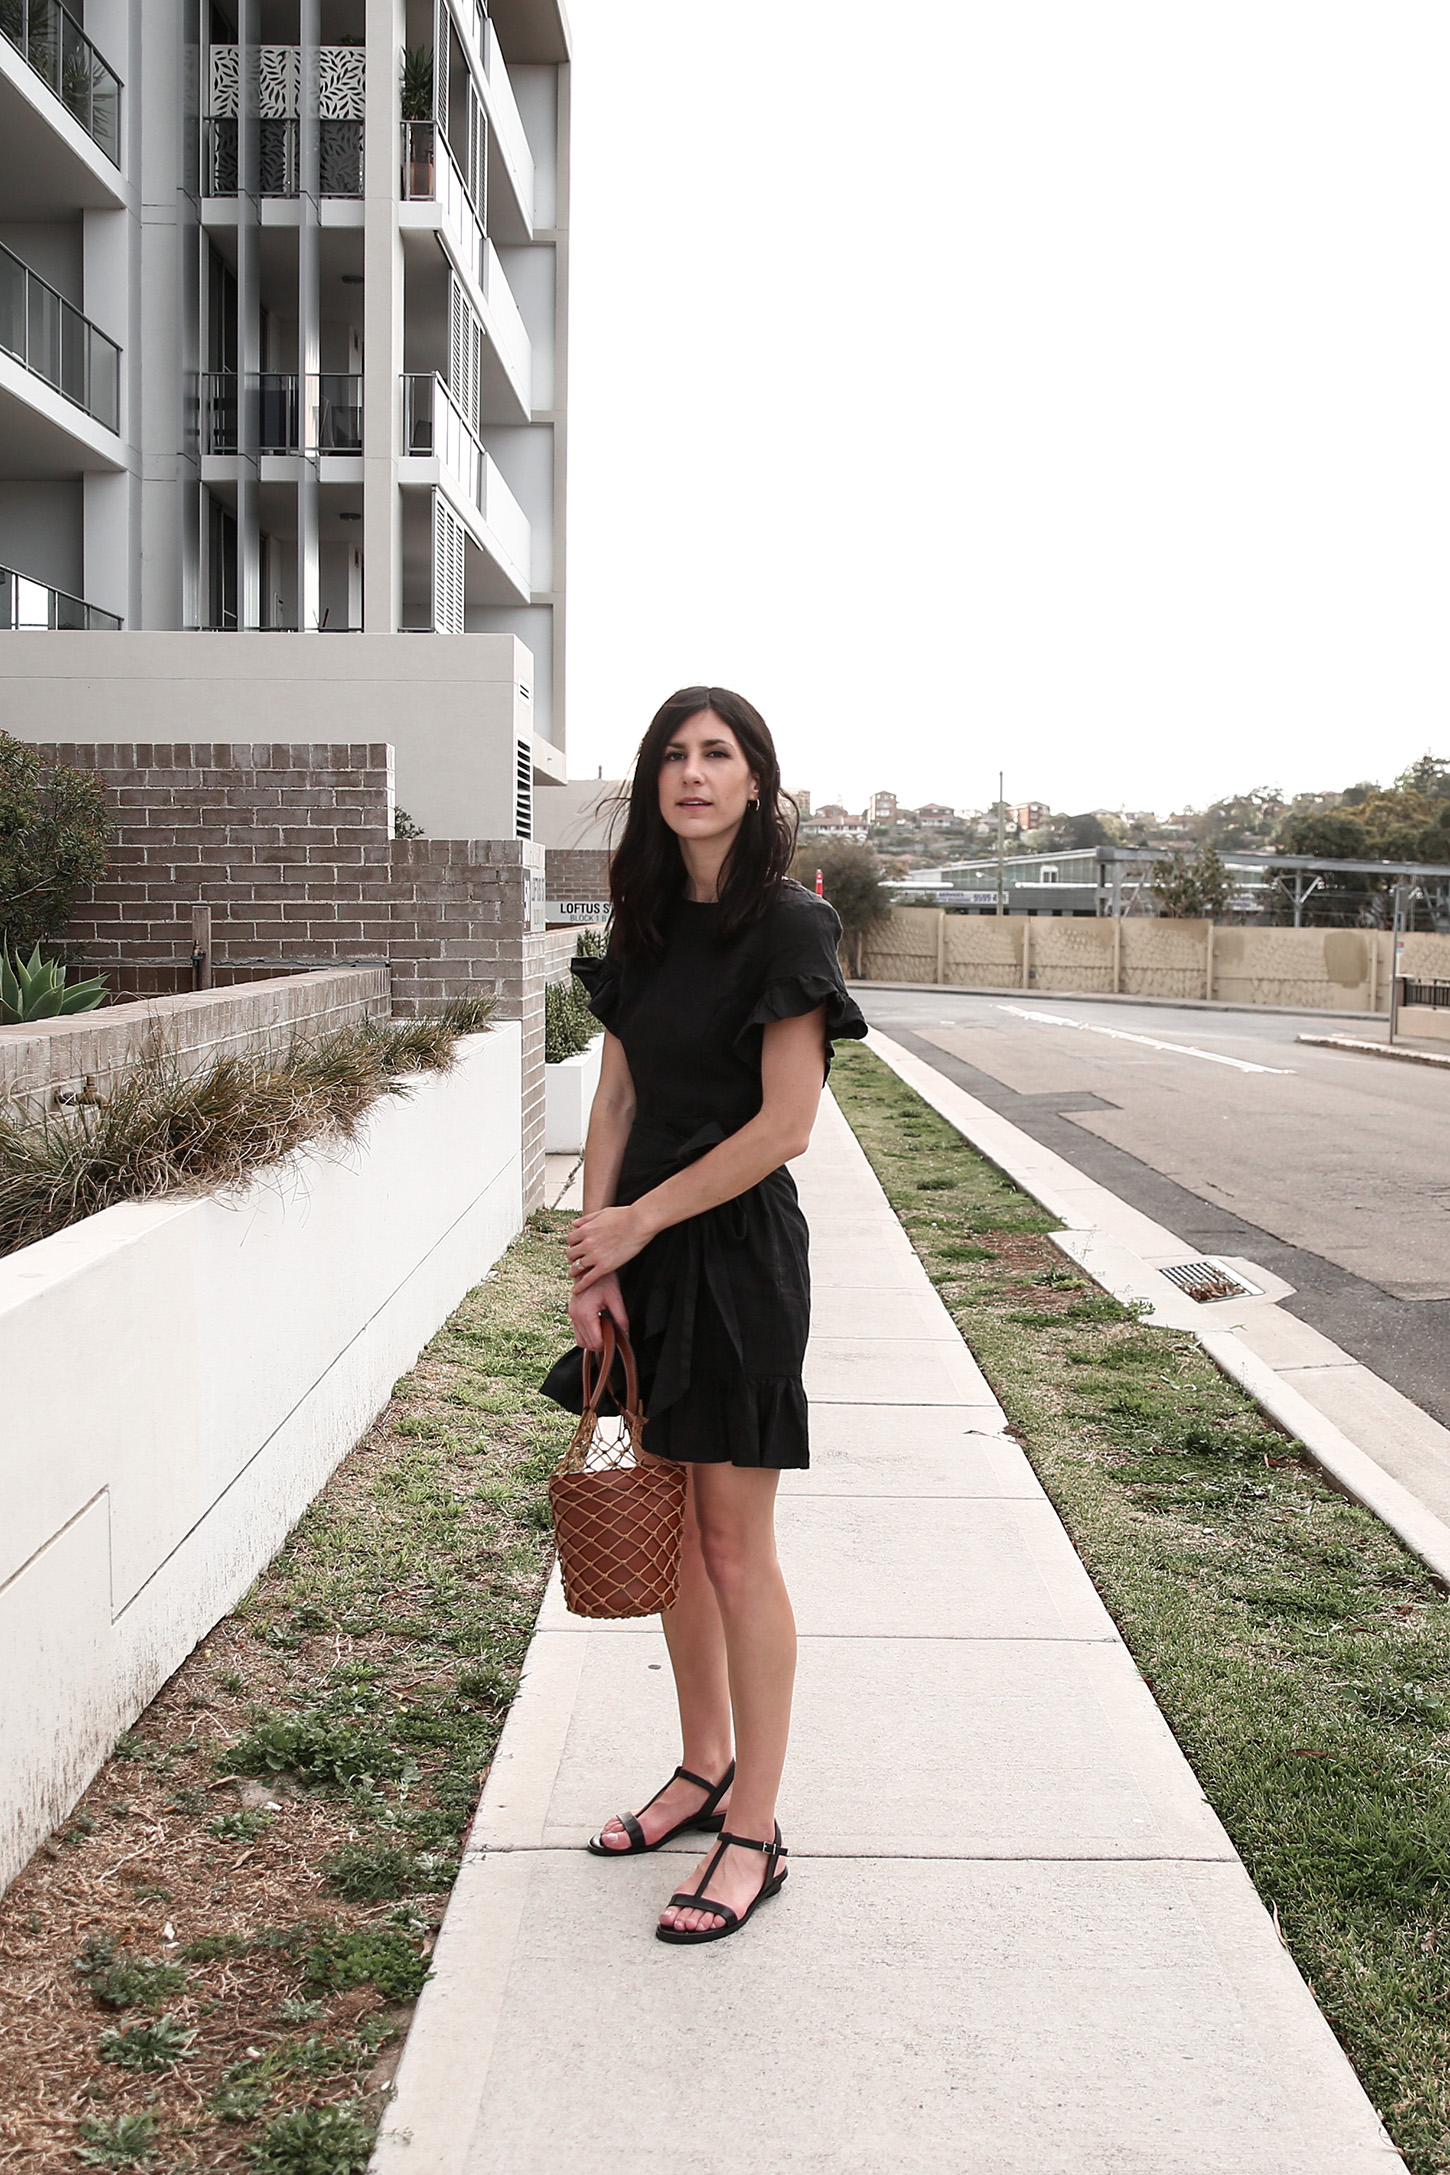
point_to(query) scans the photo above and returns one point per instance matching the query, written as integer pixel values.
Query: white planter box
(182, 1376)
(569, 1098)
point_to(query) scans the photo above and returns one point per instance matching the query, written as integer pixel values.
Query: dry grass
(287, 1814)
(162, 1130)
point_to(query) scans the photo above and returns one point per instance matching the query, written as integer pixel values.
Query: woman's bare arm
(609, 1124)
(792, 1073)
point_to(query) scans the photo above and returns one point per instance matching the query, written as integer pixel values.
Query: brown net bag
(617, 1520)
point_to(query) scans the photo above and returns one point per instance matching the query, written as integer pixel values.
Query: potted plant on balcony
(417, 106)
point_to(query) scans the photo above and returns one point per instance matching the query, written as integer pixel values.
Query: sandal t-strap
(707, 1817)
(771, 1885)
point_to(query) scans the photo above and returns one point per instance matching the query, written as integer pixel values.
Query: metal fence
(1434, 994)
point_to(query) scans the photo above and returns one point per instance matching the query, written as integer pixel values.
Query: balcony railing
(57, 48)
(51, 337)
(279, 408)
(27, 605)
(279, 163)
(434, 426)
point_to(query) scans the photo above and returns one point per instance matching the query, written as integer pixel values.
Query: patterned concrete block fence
(1329, 970)
(51, 1061)
(181, 1378)
(291, 851)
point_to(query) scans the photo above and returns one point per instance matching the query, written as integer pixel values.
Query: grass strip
(1300, 1655)
(210, 1966)
(162, 1129)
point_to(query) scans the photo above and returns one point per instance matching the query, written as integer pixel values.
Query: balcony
(431, 176)
(281, 417)
(31, 606)
(50, 337)
(435, 429)
(48, 36)
(340, 97)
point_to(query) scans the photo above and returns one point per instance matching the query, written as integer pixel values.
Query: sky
(1015, 385)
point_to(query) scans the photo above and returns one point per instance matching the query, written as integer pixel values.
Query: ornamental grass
(162, 1130)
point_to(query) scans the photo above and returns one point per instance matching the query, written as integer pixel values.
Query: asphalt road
(1330, 1169)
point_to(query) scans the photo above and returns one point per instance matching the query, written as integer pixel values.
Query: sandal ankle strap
(748, 1842)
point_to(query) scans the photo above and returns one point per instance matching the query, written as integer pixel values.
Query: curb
(1377, 1049)
(1053, 1183)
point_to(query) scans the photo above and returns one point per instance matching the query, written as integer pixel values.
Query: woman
(721, 992)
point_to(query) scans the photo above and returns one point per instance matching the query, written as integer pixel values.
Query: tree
(54, 831)
(1082, 832)
(1195, 890)
(1337, 835)
(852, 876)
(1430, 776)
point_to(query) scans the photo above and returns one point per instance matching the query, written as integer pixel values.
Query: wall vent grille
(524, 794)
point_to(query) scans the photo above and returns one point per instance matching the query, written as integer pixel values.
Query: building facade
(283, 337)
(881, 809)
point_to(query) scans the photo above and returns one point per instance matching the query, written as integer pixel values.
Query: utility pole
(1001, 824)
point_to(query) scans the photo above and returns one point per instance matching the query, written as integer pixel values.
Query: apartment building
(881, 809)
(283, 339)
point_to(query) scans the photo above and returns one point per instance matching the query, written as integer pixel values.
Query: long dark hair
(647, 872)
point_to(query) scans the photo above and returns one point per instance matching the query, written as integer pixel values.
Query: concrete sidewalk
(1014, 1941)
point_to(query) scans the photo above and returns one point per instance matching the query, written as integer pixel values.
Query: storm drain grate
(1206, 1280)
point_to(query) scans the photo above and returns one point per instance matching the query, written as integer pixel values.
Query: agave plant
(35, 989)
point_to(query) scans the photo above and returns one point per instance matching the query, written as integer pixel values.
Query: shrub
(54, 832)
(569, 1025)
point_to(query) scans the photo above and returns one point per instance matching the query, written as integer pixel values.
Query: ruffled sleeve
(800, 970)
(601, 982)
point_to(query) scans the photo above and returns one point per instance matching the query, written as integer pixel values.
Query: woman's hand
(585, 1308)
(602, 1240)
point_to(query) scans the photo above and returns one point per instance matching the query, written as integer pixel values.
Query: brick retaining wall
(291, 849)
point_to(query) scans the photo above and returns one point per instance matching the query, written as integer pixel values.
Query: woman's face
(705, 782)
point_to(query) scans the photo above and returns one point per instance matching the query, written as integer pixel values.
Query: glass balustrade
(435, 427)
(277, 408)
(27, 605)
(57, 48)
(51, 337)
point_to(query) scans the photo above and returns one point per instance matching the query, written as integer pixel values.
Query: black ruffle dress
(719, 1306)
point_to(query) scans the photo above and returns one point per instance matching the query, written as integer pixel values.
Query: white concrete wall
(568, 1099)
(449, 704)
(181, 1378)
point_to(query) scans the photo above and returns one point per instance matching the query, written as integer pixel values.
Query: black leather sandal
(706, 1817)
(771, 1886)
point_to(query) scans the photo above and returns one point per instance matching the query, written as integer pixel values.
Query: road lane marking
(1120, 1034)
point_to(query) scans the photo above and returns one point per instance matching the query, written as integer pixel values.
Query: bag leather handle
(597, 1372)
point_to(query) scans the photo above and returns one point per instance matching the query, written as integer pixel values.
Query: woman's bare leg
(735, 1511)
(695, 1637)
